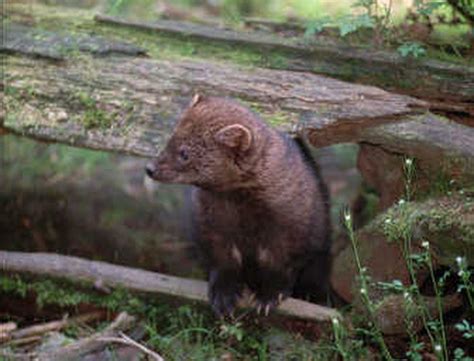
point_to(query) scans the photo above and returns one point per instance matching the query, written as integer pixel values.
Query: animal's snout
(150, 170)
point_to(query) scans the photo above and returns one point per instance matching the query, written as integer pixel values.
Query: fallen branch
(77, 269)
(125, 340)
(43, 328)
(89, 344)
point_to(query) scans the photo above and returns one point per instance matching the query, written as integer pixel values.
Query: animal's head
(212, 146)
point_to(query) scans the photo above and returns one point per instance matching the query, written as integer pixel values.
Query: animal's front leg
(275, 285)
(272, 282)
(225, 289)
(225, 279)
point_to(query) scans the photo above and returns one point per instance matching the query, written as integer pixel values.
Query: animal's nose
(150, 170)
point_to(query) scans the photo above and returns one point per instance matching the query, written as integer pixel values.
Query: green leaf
(350, 24)
(411, 49)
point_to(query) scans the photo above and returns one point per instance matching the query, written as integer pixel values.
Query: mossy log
(129, 104)
(109, 275)
(425, 78)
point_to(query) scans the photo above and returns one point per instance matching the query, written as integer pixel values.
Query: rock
(446, 223)
(383, 171)
(441, 147)
(442, 152)
(391, 313)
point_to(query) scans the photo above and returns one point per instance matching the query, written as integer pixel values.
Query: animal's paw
(267, 302)
(225, 289)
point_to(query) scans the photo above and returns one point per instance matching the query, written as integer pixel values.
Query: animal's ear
(196, 99)
(235, 136)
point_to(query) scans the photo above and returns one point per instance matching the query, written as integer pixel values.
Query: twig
(35, 330)
(125, 340)
(77, 269)
(89, 344)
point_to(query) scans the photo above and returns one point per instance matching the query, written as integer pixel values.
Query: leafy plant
(411, 48)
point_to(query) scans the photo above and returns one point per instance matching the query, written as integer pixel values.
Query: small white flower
(408, 161)
(401, 201)
(347, 217)
(461, 273)
(438, 348)
(425, 244)
(461, 191)
(363, 291)
(459, 260)
(406, 295)
(388, 220)
(335, 321)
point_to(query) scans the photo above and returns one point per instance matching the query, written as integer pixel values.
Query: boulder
(447, 224)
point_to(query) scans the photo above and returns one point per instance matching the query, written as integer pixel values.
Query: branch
(42, 328)
(77, 269)
(89, 344)
(125, 340)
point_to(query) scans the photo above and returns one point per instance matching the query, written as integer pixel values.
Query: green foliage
(315, 26)
(401, 229)
(428, 8)
(460, 355)
(141, 9)
(466, 328)
(412, 48)
(353, 23)
(52, 161)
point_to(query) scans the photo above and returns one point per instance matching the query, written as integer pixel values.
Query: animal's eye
(184, 154)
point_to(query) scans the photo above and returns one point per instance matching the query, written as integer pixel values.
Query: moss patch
(447, 223)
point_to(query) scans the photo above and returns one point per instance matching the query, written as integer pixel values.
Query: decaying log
(21, 39)
(425, 78)
(130, 104)
(77, 269)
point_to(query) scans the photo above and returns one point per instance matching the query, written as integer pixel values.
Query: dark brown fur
(259, 206)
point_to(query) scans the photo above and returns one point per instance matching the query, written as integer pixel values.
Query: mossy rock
(447, 224)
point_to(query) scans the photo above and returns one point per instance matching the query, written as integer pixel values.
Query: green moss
(94, 116)
(444, 222)
(278, 119)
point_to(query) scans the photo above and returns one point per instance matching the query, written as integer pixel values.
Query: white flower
(408, 161)
(363, 291)
(347, 217)
(401, 201)
(438, 348)
(425, 244)
(388, 220)
(459, 260)
(461, 273)
(335, 321)
(406, 295)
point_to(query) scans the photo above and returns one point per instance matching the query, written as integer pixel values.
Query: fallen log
(130, 104)
(424, 78)
(77, 269)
